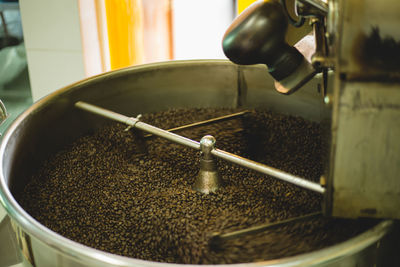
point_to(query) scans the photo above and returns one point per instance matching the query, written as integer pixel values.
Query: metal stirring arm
(256, 166)
(217, 238)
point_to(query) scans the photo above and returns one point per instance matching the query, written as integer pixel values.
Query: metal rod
(3, 21)
(196, 145)
(138, 124)
(205, 122)
(260, 228)
(259, 167)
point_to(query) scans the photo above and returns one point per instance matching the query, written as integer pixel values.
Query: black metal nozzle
(258, 36)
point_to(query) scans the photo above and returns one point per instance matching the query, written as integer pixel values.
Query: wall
(53, 44)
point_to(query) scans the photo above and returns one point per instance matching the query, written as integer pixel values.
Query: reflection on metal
(9, 248)
(24, 242)
(3, 112)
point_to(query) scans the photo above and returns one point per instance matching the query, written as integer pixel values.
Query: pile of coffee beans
(129, 194)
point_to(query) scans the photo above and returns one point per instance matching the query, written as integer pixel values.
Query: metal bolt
(207, 143)
(328, 99)
(322, 181)
(208, 179)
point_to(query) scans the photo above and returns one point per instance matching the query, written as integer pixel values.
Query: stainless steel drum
(53, 122)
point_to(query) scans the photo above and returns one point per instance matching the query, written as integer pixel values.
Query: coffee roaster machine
(351, 85)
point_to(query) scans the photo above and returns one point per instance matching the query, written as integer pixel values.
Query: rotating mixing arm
(217, 238)
(207, 147)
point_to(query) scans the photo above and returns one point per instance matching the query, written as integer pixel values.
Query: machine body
(360, 42)
(364, 166)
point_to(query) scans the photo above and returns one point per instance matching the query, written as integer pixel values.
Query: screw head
(207, 144)
(327, 99)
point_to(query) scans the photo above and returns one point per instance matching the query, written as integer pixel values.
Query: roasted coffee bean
(117, 192)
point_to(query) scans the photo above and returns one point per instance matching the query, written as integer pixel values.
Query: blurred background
(48, 44)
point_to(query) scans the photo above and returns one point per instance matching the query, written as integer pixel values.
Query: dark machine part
(359, 40)
(258, 36)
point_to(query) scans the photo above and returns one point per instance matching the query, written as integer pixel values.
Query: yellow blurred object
(243, 4)
(125, 32)
(139, 31)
